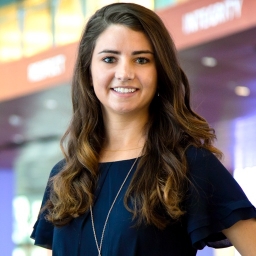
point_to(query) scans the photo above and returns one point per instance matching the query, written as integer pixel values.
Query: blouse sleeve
(43, 229)
(215, 200)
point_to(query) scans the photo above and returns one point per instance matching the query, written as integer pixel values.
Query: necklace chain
(99, 246)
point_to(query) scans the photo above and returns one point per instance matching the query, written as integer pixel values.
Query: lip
(125, 87)
(124, 91)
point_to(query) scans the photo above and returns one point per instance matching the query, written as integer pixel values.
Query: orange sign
(196, 22)
(41, 71)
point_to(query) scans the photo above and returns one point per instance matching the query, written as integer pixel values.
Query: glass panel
(10, 38)
(37, 34)
(69, 21)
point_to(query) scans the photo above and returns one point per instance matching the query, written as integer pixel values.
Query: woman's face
(123, 71)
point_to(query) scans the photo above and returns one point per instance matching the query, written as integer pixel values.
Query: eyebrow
(133, 53)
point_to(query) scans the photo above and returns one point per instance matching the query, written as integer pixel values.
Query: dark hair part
(158, 191)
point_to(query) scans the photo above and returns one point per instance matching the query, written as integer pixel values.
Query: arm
(243, 236)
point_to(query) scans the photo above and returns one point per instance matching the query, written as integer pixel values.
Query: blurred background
(216, 44)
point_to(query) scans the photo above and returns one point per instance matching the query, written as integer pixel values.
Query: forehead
(120, 36)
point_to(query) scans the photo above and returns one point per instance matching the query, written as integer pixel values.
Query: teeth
(124, 90)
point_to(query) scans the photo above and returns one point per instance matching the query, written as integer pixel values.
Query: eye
(142, 60)
(109, 59)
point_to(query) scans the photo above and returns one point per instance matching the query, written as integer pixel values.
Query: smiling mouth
(124, 90)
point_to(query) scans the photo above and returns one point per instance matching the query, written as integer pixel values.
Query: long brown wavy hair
(161, 175)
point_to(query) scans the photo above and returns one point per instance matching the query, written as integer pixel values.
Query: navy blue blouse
(215, 201)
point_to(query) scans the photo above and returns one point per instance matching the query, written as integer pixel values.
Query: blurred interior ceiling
(216, 88)
(45, 115)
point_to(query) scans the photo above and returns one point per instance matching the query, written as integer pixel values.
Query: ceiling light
(15, 120)
(51, 104)
(18, 138)
(242, 91)
(209, 61)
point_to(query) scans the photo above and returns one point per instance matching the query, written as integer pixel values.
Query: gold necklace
(122, 149)
(99, 246)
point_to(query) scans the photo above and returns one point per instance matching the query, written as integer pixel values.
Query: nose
(124, 71)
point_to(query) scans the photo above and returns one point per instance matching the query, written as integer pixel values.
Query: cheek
(101, 79)
(151, 82)
(151, 76)
(96, 81)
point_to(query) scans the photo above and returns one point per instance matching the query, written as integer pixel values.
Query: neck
(125, 133)
(125, 138)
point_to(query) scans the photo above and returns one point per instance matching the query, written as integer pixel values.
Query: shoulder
(194, 153)
(200, 157)
(209, 176)
(57, 167)
(55, 170)
(43, 229)
(203, 164)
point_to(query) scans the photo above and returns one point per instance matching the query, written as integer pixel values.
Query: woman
(140, 175)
